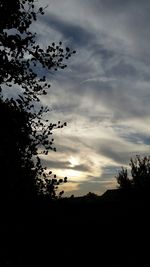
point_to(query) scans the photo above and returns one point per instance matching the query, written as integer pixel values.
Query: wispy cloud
(99, 79)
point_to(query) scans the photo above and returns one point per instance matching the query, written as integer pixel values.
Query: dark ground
(112, 230)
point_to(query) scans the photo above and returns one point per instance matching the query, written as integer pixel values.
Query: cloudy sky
(104, 93)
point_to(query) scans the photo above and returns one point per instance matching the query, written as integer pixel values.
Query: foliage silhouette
(16, 166)
(140, 174)
(123, 179)
(25, 132)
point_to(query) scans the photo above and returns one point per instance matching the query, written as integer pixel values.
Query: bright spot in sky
(74, 161)
(74, 175)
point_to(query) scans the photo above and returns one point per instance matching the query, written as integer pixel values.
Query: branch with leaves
(20, 60)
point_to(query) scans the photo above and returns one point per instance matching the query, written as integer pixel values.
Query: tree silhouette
(123, 179)
(24, 129)
(140, 174)
(16, 166)
(20, 56)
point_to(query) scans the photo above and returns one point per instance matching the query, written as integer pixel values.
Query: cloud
(104, 93)
(123, 69)
(51, 164)
(75, 34)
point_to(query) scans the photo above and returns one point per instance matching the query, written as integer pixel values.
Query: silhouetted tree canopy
(140, 174)
(23, 129)
(20, 56)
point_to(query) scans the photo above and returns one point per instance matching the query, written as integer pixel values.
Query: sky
(103, 94)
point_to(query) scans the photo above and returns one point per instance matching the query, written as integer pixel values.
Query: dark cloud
(124, 98)
(66, 149)
(75, 33)
(120, 5)
(137, 138)
(123, 69)
(116, 150)
(101, 51)
(81, 167)
(115, 154)
(109, 172)
(50, 164)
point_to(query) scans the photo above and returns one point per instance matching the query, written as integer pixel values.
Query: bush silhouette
(140, 174)
(123, 179)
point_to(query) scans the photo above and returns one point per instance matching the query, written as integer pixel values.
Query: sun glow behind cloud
(74, 161)
(73, 175)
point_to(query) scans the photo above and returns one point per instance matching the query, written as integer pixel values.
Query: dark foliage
(24, 129)
(140, 174)
(16, 149)
(20, 55)
(123, 179)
